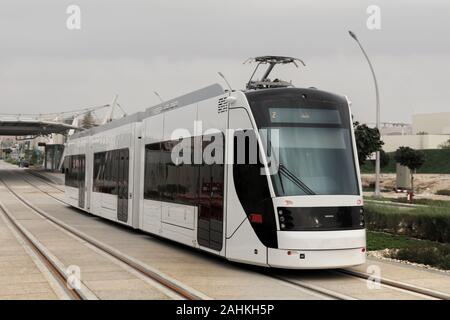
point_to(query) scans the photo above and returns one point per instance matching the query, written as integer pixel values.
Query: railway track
(40, 177)
(318, 290)
(432, 294)
(321, 291)
(44, 191)
(52, 267)
(423, 293)
(172, 285)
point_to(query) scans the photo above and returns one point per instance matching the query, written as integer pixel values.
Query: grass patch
(428, 223)
(405, 248)
(382, 240)
(420, 235)
(422, 201)
(426, 202)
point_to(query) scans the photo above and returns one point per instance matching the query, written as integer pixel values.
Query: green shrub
(436, 161)
(443, 192)
(414, 250)
(437, 256)
(431, 223)
(12, 161)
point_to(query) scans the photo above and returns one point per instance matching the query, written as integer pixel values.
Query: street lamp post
(377, 192)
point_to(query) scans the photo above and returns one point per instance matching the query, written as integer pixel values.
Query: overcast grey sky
(175, 46)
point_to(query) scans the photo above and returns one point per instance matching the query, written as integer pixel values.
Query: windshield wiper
(299, 183)
(281, 182)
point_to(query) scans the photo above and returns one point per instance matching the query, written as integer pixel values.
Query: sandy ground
(425, 185)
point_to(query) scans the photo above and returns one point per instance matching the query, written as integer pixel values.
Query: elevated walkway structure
(30, 125)
(66, 122)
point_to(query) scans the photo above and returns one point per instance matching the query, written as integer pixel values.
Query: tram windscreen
(313, 153)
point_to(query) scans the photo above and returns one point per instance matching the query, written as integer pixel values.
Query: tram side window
(166, 181)
(187, 175)
(74, 170)
(108, 183)
(114, 178)
(168, 186)
(153, 172)
(99, 162)
(106, 171)
(214, 149)
(249, 182)
(66, 170)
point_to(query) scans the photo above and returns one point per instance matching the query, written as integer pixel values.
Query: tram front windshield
(313, 154)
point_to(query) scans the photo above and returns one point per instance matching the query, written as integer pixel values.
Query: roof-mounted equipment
(265, 82)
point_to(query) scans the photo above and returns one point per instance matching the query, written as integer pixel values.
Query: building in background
(396, 129)
(6, 145)
(431, 123)
(45, 151)
(427, 131)
(53, 156)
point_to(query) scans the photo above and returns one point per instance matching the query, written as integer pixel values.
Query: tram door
(122, 185)
(81, 180)
(210, 206)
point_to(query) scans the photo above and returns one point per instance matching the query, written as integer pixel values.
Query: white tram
(298, 205)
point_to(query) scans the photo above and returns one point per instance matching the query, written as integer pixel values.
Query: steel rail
(60, 276)
(175, 286)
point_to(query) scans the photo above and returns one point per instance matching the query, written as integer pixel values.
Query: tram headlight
(285, 218)
(361, 217)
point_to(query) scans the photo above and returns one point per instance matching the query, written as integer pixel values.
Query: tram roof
(208, 92)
